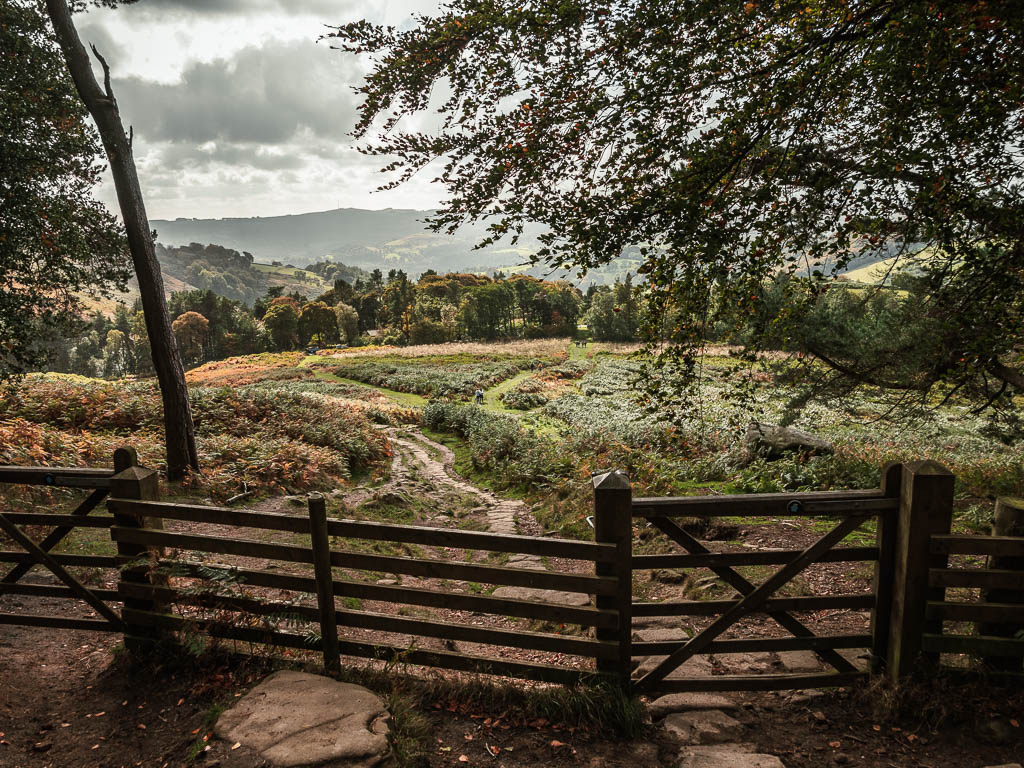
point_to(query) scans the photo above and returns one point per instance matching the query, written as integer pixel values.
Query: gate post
(888, 524)
(321, 547)
(926, 509)
(613, 524)
(134, 482)
(1008, 521)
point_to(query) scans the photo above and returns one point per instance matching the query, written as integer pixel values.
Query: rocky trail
(711, 737)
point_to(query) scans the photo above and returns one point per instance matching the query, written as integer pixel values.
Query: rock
(806, 697)
(543, 595)
(295, 718)
(695, 666)
(710, 726)
(746, 662)
(386, 582)
(642, 754)
(726, 756)
(860, 659)
(996, 730)
(799, 661)
(1005, 765)
(662, 635)
(687, 702)
(774, 442)
(535, 565)
(650, 622)
(668, 576)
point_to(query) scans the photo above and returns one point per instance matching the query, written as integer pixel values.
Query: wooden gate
(29, 553)
(845, 511)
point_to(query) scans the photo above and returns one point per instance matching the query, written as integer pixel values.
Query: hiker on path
(479, 397)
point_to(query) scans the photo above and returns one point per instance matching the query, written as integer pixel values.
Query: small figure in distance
(479, 397)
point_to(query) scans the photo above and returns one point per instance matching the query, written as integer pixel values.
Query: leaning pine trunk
(181, 445)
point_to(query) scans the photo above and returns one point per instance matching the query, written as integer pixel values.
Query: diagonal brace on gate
(58, 570)
(751, 602)
(55, 537)
(791, 624)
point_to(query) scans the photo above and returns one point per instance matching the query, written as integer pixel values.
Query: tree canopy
(748, 151)
(57, 243)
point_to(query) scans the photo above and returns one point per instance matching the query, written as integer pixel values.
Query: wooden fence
(163, 589)
(30, 552)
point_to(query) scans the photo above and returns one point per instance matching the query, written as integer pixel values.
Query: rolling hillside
(385, 240)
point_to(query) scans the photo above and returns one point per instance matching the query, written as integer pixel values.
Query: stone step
(688, 702)
(726, 756)
(709, 726)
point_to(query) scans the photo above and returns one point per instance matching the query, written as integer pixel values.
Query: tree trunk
(181, 445)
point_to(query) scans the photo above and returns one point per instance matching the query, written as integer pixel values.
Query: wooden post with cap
(926, 509)
(134, 482)
(613, 524)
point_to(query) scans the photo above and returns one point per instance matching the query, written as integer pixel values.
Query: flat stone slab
(800, 661)
(711, 726)
(747, 662)
(650, 622)
(294, 718)
(662, 635)
(695, 666)
(543, 595)
(688, 702)
(726, 756)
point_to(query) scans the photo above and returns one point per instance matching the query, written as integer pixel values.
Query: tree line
(387, 309)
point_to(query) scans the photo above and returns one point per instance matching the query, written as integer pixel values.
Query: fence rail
(913, 603)
(823, 503)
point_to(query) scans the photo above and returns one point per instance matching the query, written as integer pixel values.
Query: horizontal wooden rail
(444, 660)
(78, 561)
(442, 569)
(50, 590)
(355, 529)
(981, 578)
(428, 598)
(70, 477)
(988, 612)
(722, 559)
(722, 683)
(538, 641)
(759, 645)
(824, 503)
(976, 645)
(57, 622)
(713, 607)
(69, 521)
(1006, 546)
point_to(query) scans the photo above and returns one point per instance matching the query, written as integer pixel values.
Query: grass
(410, 399)
(197, 747)
(601, 708)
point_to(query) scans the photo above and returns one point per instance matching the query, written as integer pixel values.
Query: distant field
(873, 273)
(309, 284)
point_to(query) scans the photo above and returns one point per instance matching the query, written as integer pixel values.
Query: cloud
(262, 95)
(219, 7)
(96, 34)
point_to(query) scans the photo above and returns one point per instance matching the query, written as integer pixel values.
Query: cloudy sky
(238, 111)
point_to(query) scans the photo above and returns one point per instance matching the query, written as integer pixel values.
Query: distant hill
(388, 239)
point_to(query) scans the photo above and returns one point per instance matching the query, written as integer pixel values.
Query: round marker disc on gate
(794, 506)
